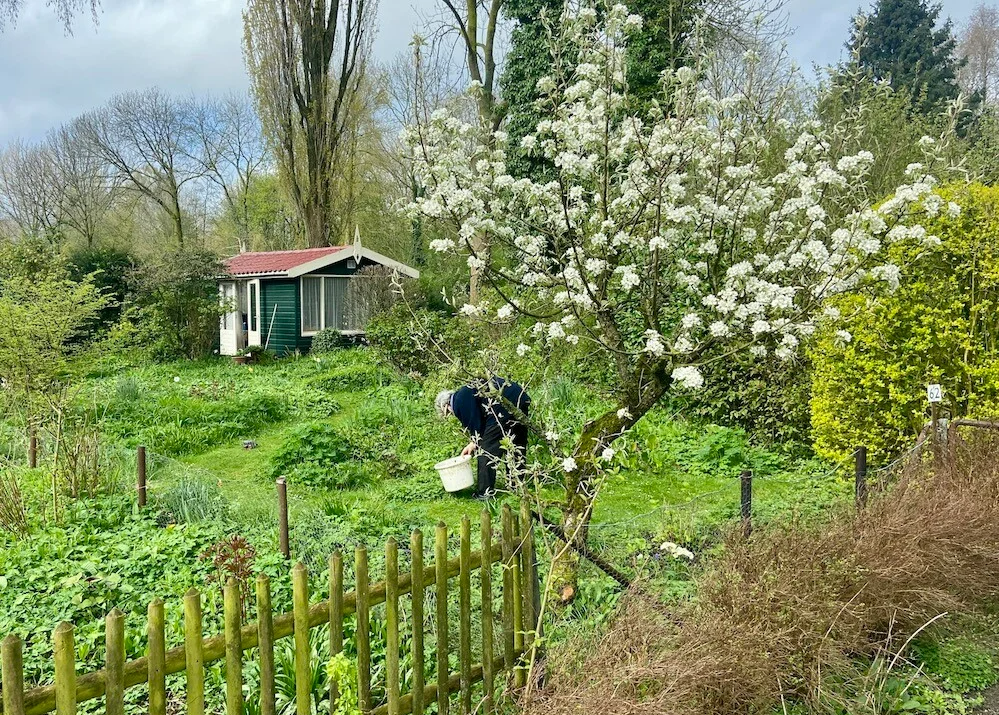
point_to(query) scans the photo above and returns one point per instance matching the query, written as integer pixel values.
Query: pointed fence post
(156, 657)
(336, 616)
(65, 669)
(486, 547)
(363, 633)
(12, 672)
(194, 652)
(440, 572)
(392, 625)
(303, 652)
(114, 663)
(265, 645)
(416, 548)
(465, 615)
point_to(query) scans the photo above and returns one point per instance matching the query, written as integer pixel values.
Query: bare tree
(87, 185)
(307, 61)
(29, 192)
(231, 148)
(979, 44)
(65, 10)
(419, 82)
(149, 141)
(476, 23)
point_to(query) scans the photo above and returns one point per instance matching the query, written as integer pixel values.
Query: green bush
(320, 455)
(869, 383)
(329, 340)
(419, 341)
(767, 398)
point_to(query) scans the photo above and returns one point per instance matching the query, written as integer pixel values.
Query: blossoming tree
(690, 234)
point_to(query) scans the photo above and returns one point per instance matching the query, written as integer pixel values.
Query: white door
(230, 327)
(253, 327)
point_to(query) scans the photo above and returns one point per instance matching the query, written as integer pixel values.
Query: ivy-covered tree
(661, 44)
(525, 65)
(901, 41)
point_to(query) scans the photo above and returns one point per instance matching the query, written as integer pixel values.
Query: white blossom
(688, 377)
(569, 464)
(676, 551)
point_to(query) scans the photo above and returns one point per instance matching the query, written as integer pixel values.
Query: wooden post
(746, 502)
(232, 613)
(303, 652)
(65, 669)
(12, 673)
(392, 625)
(32, 450)
(935, 436)
(465, 615)
(336, 616)
(486, 547)
(363, 633)
(140, 471)
(529, 573)
(860, 477)
(194, 653)
(416, 547)
(440, 572)
(282, 492)
(519, 673)
(508, 622)
(114, 663)
(156, 655)
(265, 645)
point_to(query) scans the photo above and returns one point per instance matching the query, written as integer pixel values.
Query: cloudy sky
(184, 46)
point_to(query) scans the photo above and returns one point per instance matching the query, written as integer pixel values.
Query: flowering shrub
(697, 229)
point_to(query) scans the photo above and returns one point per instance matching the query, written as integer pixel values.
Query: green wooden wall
(286, 330)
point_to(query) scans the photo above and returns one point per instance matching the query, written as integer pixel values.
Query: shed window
(333, 302)
(312, 305)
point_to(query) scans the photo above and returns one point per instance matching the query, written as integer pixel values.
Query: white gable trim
(357, 253)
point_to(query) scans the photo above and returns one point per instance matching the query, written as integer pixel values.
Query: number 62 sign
(934, 393)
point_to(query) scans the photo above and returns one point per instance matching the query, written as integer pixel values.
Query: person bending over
(487, 420)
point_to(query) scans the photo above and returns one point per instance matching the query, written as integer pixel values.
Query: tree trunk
(580, 483)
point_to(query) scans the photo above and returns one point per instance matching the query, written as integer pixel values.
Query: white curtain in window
(336, 303)
(312, 304)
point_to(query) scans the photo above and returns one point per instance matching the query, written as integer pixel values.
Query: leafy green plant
(342, 673)
(191, 500)
(319, 455)
(329, 340)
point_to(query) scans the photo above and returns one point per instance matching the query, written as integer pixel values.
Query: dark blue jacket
(477, 409)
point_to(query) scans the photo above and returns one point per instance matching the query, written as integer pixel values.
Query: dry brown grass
(778, 615)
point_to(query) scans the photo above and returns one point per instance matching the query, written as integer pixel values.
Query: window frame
(322, 303)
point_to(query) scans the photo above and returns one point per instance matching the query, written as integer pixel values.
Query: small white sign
(934, 393)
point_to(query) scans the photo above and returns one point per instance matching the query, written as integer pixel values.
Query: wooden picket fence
(520, 598)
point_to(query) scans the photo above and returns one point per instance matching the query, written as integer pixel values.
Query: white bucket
(456, 473)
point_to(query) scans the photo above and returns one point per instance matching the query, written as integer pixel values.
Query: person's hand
(469, 449)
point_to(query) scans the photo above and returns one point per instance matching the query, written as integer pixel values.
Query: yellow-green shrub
(940, 326)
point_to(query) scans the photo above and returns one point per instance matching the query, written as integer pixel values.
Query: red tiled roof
(275, 262)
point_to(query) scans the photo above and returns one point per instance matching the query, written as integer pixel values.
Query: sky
(194, 46)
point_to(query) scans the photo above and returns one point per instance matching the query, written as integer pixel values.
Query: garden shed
(281, 299)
